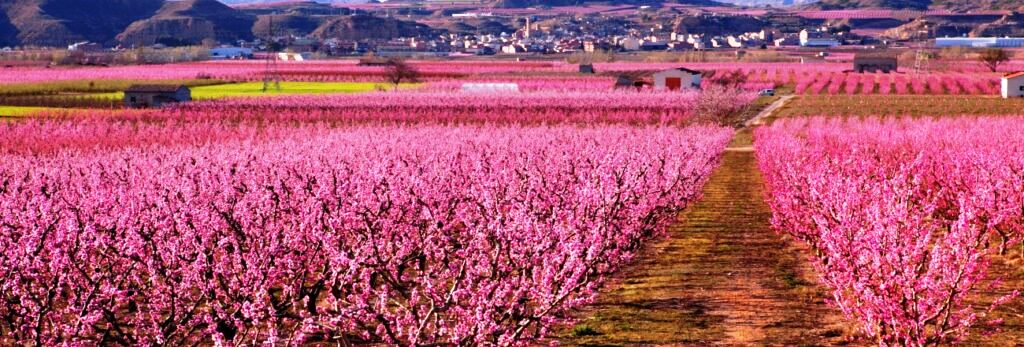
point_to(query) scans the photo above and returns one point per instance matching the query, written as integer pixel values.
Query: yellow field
(254, 89)
(19, 111)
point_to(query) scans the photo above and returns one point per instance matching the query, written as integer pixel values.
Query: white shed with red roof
(1013, 85)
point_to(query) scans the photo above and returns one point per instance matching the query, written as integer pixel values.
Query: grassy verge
(899, 105)
(255, 89)
(90, 86)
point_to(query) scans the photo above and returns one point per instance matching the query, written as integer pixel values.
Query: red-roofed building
(1013, 85)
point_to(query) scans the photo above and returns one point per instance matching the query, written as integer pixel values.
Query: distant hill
(773, 3)
(190, 22)
(956, 26)
(956, 5)
(363, 26)
(252, 2)
(8, 32)
(300, 18)
(61, 22)
(531, 3)
(858, 4)
(973, 5)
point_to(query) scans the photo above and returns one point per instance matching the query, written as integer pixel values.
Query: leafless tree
(994, 57)
(398, 71)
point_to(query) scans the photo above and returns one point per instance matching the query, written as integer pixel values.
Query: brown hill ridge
(368, 27)
(61, 22)
(954, 5)
(190, 21)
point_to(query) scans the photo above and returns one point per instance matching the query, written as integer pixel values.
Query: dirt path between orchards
(723, 277)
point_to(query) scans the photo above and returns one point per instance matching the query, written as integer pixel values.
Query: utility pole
(271, 75)
(921, 62)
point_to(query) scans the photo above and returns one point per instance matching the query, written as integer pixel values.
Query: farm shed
(490, 87)
(676, 79)
(875, 63)
(1013, 85)
(155, 95)
(587, 68)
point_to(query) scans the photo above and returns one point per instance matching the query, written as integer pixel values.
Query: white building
(807, 39)
(490, 88)
(980, 42)
(1013, 85)
(630, 44)
(677, 79)
(85, 46)
(734, 42)
(230, 53)
(288, 56)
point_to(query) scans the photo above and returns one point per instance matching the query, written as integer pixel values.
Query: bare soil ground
(1010, 268)
(723, 277)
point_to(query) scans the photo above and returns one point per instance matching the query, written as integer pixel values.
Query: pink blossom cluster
(427, 235)
(903, 216)
(104, 130)
(440, 71)
(874, 14)
(974, 66)
(931, 84)
(314, 71)
(475, 107)
(751, 67)
(139, 72)
(253, 70)
(556, 83)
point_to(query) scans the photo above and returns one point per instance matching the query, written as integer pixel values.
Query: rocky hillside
(958, 25)
(717, 25)
(1010, 25)
(60, 22)
(532, 3)
(955, 5)
(855, 4)
(363, 26)
(301, 18)
(974, 5)
(190, 22)
(146, 22)
(8, 32)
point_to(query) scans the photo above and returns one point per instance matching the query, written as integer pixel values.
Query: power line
(271, 74)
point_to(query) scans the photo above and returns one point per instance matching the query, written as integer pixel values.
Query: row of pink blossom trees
(545, 107)
(424, 235)
(834, 83)
(903, 216)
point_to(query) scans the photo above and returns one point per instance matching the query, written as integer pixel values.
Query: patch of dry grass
(901, 105)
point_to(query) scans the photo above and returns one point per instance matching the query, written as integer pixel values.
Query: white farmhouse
(676, 79)
(231, 53)
(817, 39)
(290, 56)
(490, 88)
(1013, 85)
(630, 44)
